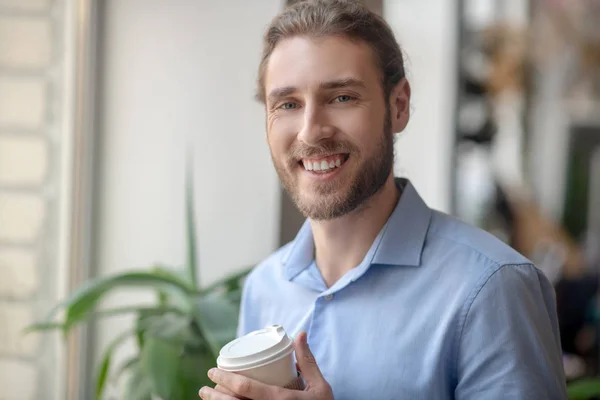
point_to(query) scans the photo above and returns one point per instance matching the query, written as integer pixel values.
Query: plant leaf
(81, 303)
(584, 389)
(111, 312)
(139, 328)
(175, 329)
(44, 326)
(126, 365)
(182, 353)
(162, 297)
(192, 264)
(175, 274)
(189, 370)
(169, 296)
(235, 297)
(149, 321)
(193, 373)
(217, 319)
(105, 364)
(138, 385)
(160, 363)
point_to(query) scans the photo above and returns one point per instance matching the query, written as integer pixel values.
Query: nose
(315, 127)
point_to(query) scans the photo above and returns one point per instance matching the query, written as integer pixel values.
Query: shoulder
(475, 259)
(497, 284)
(459, 240)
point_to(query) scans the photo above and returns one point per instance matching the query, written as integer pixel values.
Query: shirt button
(328, 297)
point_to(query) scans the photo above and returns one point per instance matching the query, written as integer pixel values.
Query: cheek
(280, 136)
(362, 126)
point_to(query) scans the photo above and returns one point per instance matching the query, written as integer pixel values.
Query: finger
(307, 363)
(242, 386)
(224, 390)
(207, 393)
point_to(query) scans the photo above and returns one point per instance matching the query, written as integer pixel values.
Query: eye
(288, 106)
(344, 98)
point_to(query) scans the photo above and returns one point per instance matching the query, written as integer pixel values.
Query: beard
(330, 200)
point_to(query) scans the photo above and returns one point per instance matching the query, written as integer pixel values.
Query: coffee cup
(264, 355)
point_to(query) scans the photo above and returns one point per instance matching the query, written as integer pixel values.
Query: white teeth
(321, 165)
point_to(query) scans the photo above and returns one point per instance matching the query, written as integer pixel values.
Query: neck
(342, 243)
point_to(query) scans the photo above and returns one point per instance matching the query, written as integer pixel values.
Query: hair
(342, 18)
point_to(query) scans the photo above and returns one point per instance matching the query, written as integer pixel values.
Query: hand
(232, 386)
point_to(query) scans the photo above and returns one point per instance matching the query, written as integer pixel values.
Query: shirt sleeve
(509, 343)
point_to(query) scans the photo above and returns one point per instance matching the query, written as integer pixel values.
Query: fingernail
(202, 392)
(211, 372)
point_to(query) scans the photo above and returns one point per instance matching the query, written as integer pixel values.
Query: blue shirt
(437, 309)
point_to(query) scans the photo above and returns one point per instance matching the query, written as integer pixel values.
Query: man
(397, 301)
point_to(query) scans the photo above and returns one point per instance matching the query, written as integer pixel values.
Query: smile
(324, 164)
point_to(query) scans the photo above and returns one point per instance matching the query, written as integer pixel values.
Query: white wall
(426, 31)
(179, 74)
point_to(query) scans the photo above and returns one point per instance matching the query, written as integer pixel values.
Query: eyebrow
(342, 83)
(335, 84)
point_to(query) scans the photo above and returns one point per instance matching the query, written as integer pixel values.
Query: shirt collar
(401, 242)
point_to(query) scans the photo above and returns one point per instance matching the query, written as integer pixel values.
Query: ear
(400, 106)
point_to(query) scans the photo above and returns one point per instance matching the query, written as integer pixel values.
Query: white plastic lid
(255, 349)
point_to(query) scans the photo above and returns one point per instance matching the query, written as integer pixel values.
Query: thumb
(307, 363)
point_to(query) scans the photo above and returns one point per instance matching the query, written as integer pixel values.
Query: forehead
(305, 63)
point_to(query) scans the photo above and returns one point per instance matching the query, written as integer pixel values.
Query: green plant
(178, 338)
(584, 389)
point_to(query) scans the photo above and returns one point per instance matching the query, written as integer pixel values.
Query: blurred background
(102, 103)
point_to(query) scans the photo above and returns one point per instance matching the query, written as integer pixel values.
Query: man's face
(328, 124)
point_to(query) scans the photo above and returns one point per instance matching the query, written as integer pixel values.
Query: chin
(319, 207)
(323, 192)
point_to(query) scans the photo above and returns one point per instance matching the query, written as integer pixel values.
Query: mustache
(300, 150)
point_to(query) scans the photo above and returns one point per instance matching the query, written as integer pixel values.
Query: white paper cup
(265, 355)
